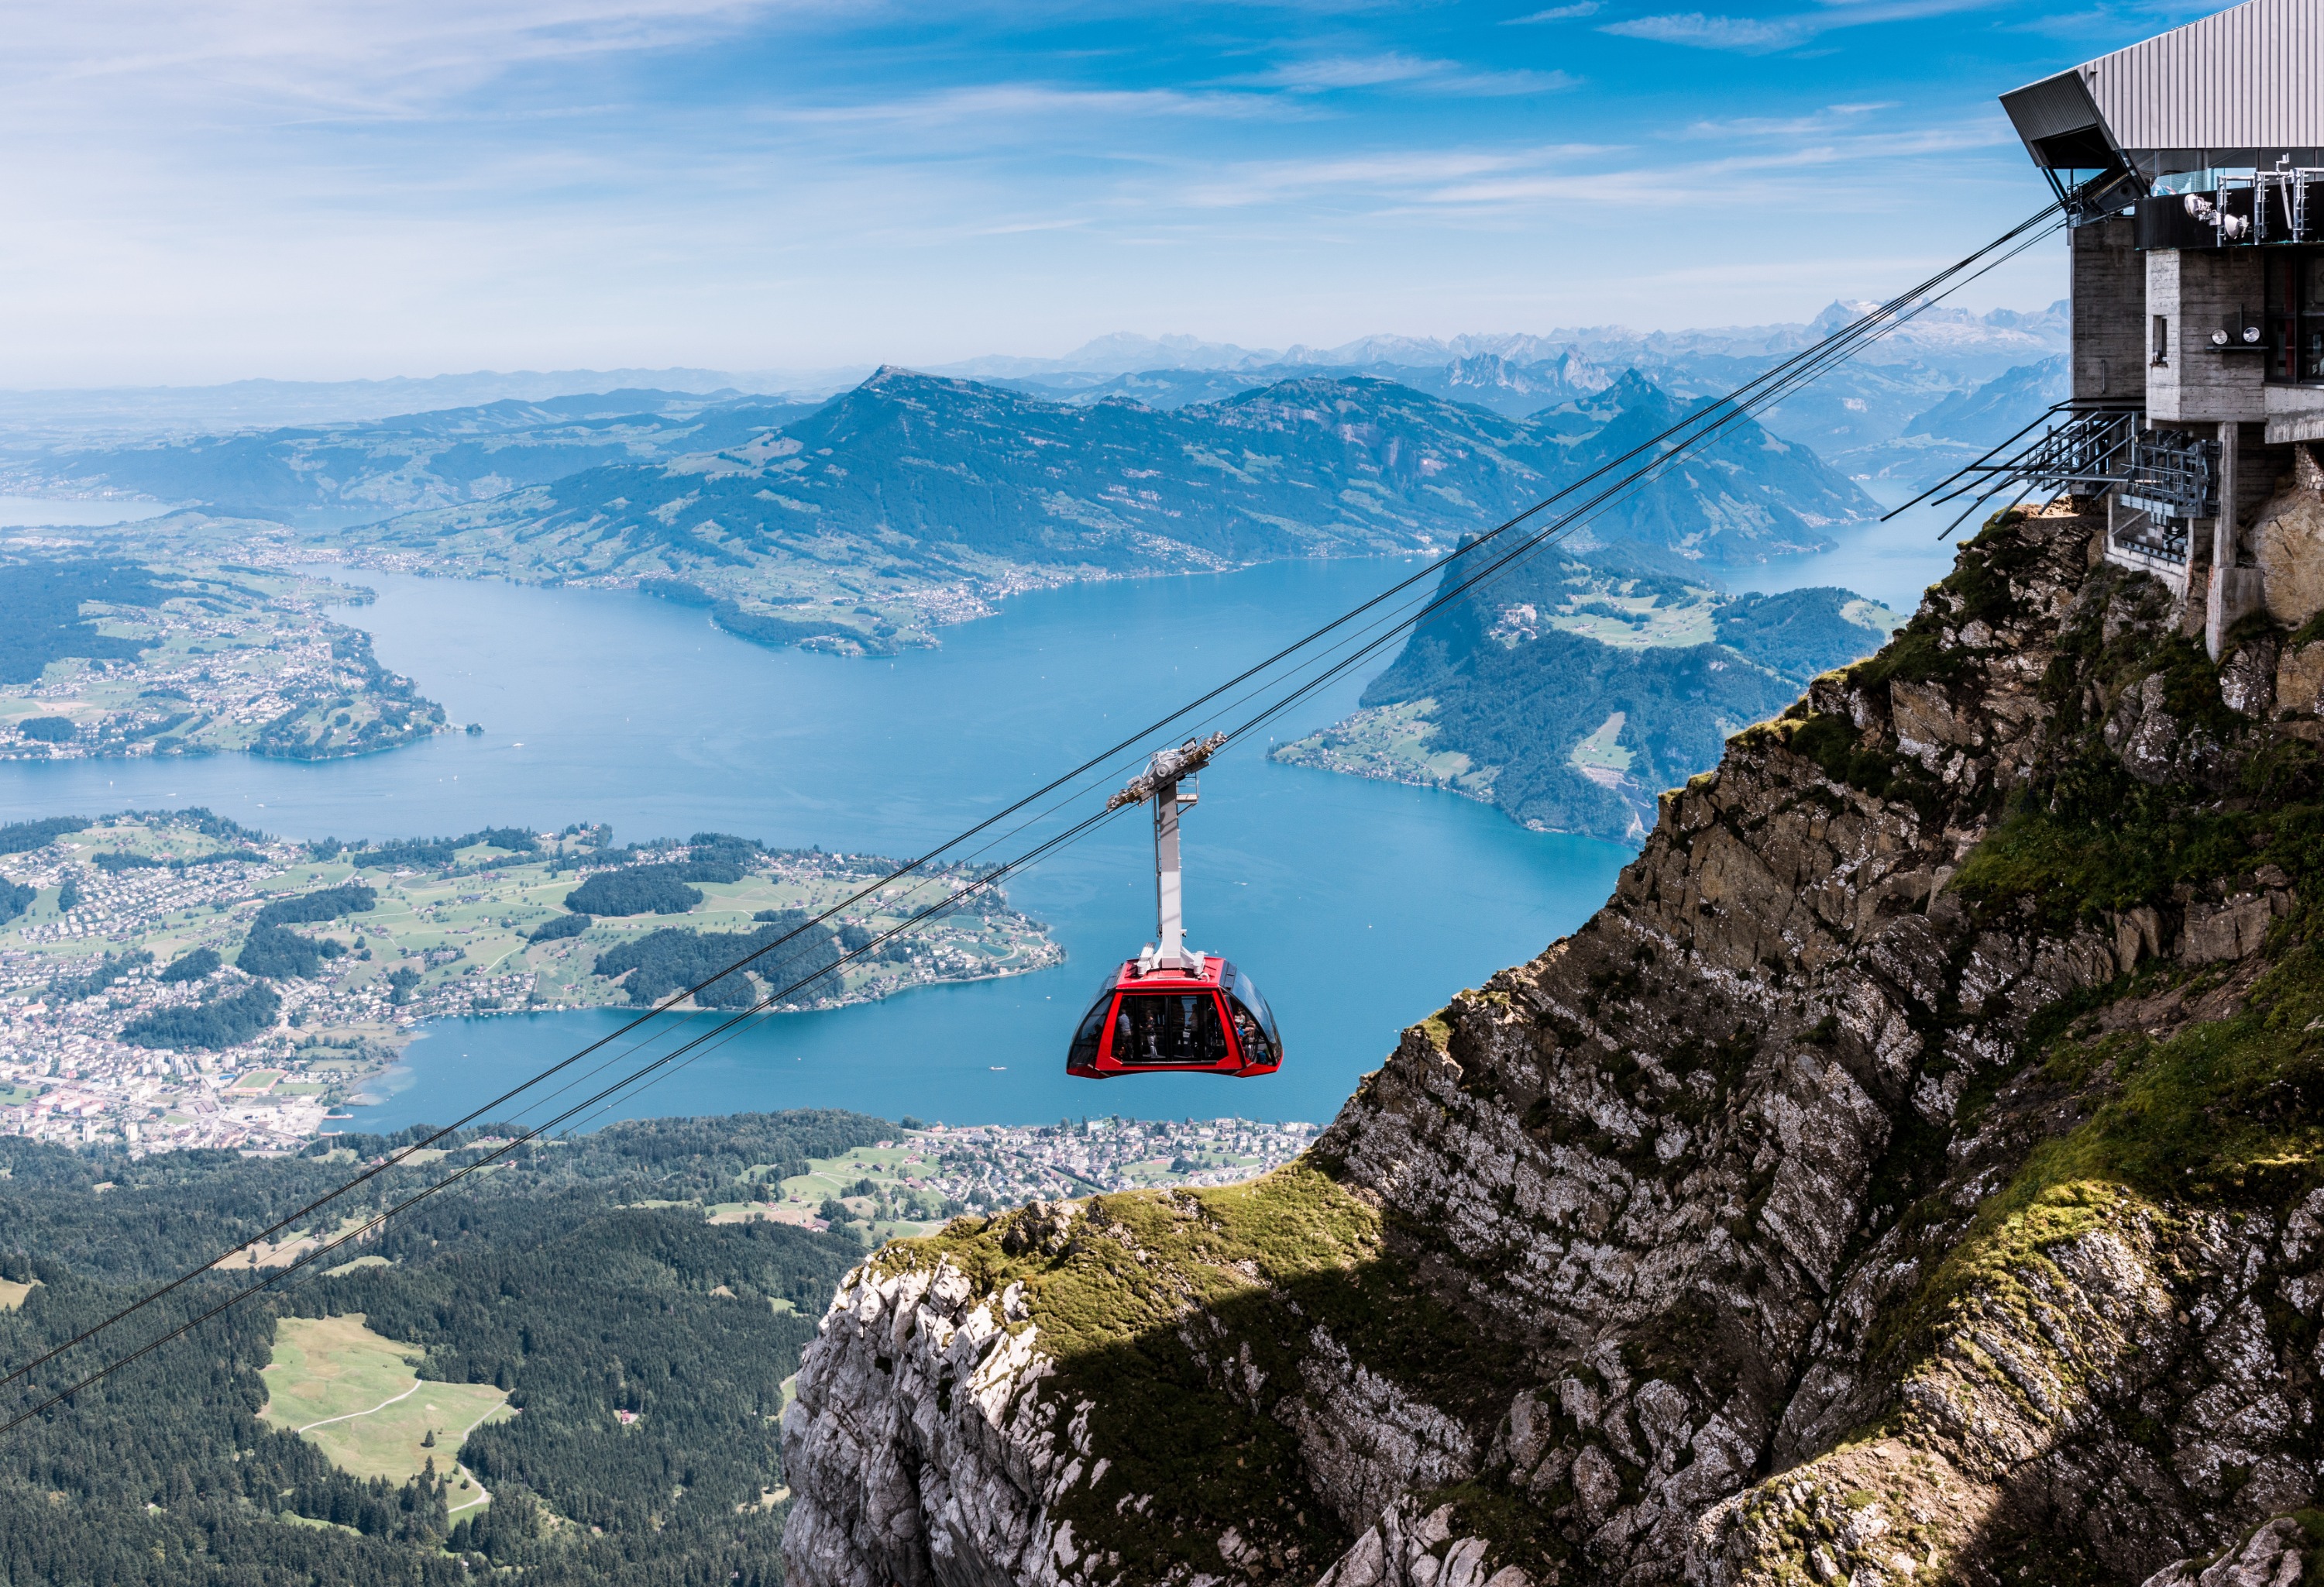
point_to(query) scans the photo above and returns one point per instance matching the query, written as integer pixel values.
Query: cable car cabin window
(2295, 315)
(1254, 1020)
(1168, 1027)
(1252, 1037)
(1091, 1034)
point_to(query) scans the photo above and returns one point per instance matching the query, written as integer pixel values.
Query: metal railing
(2172, 475)
(2082, 448)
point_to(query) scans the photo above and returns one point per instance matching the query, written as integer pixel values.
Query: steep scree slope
(1911, 1174)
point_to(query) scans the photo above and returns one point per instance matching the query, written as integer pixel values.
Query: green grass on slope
(2227, 1113)
(1186, 1323)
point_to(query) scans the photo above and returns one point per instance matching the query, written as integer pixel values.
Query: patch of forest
(548, 1278)
(22, 837)
(426, 854)
(660, 962)
(661, 888)
(40, 618)
(227, 1019)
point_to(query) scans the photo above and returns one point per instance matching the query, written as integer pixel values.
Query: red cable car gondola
(1173, 1010)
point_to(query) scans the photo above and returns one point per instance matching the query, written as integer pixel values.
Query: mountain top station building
(2191, 172)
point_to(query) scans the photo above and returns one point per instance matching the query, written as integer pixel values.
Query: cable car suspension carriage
(1174, 1010)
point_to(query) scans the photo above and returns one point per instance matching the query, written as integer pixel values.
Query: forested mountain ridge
(841, 523)
(1570, 698)
(644, 1347)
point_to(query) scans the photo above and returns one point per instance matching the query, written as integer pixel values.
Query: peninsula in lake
(174, 979)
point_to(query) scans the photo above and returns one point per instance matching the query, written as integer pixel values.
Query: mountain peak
(1840, 313)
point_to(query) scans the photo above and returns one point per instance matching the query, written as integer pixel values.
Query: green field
(1392, 742)
(356, 1397)
(893, 1168)
(1602, 751)
(896, 1172)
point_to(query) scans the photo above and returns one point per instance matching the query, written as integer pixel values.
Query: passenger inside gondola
(1163, 1028)
(1256, 1048)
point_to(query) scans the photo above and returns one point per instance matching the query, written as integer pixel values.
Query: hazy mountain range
(1959, 348)
(911, 499)
(31, 420)
(1320, 464)
(2003, 336)
(912, 481)
(359, 473)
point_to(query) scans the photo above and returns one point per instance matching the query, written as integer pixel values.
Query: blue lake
(1360, 905)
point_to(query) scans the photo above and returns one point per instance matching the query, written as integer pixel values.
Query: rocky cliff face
(1910, 1175)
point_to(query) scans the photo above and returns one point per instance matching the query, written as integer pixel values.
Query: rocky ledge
(1911, 1174)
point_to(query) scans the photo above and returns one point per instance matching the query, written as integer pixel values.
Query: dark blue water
(1359, 906)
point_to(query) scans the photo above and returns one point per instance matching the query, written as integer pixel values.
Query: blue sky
(200, 190)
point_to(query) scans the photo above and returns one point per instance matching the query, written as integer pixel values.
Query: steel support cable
(669, 1063)
(1835, 350)
(1954, 485)
(491, 1157)
(763, 1010)
(638, 1025)
(1752, 394)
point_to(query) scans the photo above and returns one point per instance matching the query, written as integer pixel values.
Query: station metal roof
(2246, 80)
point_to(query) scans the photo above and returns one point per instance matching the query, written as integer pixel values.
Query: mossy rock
(1185, 1317)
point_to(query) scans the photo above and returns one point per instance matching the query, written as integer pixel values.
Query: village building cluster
(991, 1165)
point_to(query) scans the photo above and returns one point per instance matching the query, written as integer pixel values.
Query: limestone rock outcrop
(1909, 1174)
(2287, 541)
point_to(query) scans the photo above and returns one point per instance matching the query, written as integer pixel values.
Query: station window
(2295, 315)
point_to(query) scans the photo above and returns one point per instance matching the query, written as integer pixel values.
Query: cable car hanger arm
(1167, 767)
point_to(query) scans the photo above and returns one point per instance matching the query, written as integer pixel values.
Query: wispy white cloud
(1005, 106)
(1756, 35)
(1494, 85)
(1832, 118)
(1750, 34)
(1348, 71)
(1333, 73)
(343, 57)
(206, 189)
(1380, 177)
(1715, 165)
